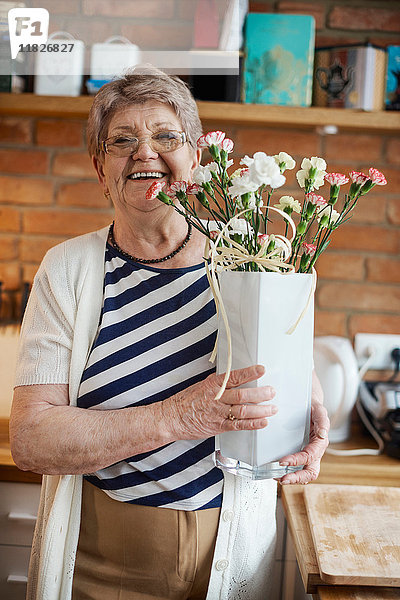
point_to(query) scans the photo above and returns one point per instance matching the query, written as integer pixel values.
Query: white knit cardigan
(59, 328)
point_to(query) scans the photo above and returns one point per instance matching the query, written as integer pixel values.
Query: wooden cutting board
(356, 533)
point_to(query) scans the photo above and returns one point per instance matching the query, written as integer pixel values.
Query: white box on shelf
(60, 73)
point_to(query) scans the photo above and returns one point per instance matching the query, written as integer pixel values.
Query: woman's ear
(99, 168)
(197, 158)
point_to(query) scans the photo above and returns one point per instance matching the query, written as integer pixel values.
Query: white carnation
(301, 178)
(203, 174)
(288, 202)
(246, 160)
(331, 212)
(317, 163)
(239, 226)
(242, 185)
(264, 171)
(283, 157)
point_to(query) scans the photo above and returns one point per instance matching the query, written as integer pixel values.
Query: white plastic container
(261, 308)
(60, 72)
(111, 58)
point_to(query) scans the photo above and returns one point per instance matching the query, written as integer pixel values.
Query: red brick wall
(48, 189)
(344, 21)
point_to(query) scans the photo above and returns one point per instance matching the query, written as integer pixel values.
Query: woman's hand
(311, 455)
(194, 413)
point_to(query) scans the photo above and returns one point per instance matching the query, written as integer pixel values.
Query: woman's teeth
(148, 175)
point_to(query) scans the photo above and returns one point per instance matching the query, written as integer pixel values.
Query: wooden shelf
(221, 112)
(45, 106)
(298, 117)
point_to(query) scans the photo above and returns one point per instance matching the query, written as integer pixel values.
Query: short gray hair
(137, 86)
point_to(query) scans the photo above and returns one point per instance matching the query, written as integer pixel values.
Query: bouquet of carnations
(239, 206)
(263, 282)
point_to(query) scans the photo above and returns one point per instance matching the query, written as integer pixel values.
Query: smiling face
(127, 179)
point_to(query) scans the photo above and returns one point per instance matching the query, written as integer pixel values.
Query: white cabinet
(18, 508)
(14, 562)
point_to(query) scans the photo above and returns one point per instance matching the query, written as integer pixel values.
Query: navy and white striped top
(156, 332)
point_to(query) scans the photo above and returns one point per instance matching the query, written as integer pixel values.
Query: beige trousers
(132, 552)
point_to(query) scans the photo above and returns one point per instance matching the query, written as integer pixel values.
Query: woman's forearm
(60, 440)
(49, 436)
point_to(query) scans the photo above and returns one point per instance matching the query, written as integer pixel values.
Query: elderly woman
(115, 396)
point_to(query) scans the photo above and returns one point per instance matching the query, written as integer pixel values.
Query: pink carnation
(227, 145)
(211, 138)
(262, 238)
(154, 189)
(193, 189)
(309, 249)
(315, 199)
(377, 177)
(201, 142)
(214, 137)
(178, 186)
(336, 178)
(358, 177)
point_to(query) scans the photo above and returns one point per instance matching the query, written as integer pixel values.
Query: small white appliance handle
(343, 354)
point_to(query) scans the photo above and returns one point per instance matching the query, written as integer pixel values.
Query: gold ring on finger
(231, 416)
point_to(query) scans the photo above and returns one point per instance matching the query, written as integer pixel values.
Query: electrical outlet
(380, 345)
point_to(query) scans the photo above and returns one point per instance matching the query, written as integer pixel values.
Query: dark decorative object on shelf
(351, 76)
(334, 80)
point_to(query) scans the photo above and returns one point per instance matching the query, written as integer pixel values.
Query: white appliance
(111, 58)
(336, 367)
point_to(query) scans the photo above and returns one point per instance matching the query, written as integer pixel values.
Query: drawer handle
(17, 579)
(14, 516)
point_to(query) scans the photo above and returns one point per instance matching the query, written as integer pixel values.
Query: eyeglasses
(162, 141)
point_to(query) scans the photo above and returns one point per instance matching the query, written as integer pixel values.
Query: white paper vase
(261, 308)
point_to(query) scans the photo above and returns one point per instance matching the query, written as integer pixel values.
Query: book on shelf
(350, 77)
(392, 92)
(279, 57)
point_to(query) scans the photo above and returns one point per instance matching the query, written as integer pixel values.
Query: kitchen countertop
(350, 470)
(359, 470)
(8, 470)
